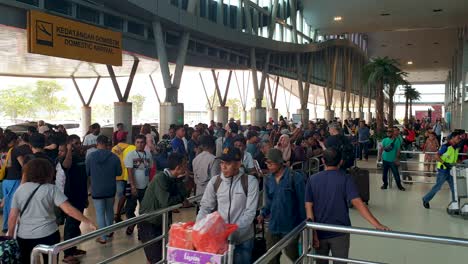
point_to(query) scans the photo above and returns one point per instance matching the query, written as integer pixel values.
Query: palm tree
(407, 91)
(414, 95)
(393, 82)
(378, 73)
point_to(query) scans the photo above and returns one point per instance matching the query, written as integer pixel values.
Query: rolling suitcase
(361, 179)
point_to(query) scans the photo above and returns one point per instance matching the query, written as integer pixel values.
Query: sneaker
(129, 230)
(101, 240)
(426, 205)
(401, 188)
(70, 260)
(384, 187)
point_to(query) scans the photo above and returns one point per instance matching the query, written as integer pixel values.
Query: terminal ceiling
(421, 31)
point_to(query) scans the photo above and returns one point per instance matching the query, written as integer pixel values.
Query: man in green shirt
(166, 189)
(391, 157)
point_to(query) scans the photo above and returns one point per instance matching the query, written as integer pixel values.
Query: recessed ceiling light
(437, 10)
(409, 44)
(436, 43)
(410, 63)
(337, 18)
(385, 14)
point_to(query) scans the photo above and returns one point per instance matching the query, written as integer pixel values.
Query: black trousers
(26, 246)
(71, 230)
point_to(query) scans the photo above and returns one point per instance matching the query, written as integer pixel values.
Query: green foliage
(138, 101)
(17, 102)
(379, 73)
(235, 108)
(45, 97)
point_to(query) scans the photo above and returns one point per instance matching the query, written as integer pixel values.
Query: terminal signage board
(60, 37)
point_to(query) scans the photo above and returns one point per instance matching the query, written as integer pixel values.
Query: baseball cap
(275, 156)
(231, 154)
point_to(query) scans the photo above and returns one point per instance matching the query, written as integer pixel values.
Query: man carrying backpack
(235, 196)
(338, 141)
(285, 192)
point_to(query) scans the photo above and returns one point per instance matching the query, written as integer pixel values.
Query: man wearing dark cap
(205, 164)
(231, 132)
(235, 196)
(37, 143)
(284, 203)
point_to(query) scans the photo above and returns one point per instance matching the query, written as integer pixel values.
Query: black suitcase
(260, 247)
(361, 179)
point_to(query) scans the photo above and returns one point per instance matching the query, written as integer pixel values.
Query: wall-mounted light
(337, 18)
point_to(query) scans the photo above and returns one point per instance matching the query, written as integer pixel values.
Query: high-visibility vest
(450, 157)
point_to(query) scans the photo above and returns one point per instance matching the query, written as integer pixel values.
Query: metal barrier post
(165, 224)
(305, 245)
(231, 247)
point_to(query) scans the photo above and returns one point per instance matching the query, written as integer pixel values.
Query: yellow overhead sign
(60, 37)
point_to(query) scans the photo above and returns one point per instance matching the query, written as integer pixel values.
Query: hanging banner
(61, 37)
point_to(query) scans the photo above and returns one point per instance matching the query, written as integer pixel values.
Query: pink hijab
(284, 145)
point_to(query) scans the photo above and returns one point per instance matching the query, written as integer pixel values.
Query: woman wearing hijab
(284, 145)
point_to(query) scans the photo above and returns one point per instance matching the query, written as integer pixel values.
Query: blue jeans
(8, 188)
(104, 212)
(243, 252)
(387, 165)
(442, 176)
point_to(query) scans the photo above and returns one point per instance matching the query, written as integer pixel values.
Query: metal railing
(305, 230)
(54, 250)
(407, 174)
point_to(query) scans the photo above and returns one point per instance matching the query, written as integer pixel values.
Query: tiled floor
(401, 211)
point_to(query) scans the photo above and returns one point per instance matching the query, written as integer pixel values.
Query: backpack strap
(245, 183)
(217, 183)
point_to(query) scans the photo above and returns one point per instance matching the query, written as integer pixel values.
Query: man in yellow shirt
(121, 150)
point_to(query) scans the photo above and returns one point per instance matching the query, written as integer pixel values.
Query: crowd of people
(48, 176)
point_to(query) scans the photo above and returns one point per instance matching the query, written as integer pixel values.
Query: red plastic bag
(210, 234)
(180, 235)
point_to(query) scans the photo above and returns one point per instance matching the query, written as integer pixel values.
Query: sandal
(101, 240)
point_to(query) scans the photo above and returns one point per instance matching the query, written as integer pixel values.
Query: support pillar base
(210, 115)
(85, 119)
(244, 117)
(369, 118)
(329, 115)
(123, 114)
(170, 113)
(273, 114)
(222, 114)
(304, 116)
(258, 116)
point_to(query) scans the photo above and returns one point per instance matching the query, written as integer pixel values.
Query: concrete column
(369, 118)
(273, 114)
(85, 119)
(244, 117)
(329, 115)
(222, 114)
(210, 115)
(304, 115)
(346, 115)
(360, 115)
(170, 113)
(123, 114)
(258, 116)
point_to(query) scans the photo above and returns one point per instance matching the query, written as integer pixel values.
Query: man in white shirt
(138, 164)
(90, 140)
(247, 160)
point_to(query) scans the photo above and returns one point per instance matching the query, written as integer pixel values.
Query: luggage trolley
(460, 186)
(185, 256)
